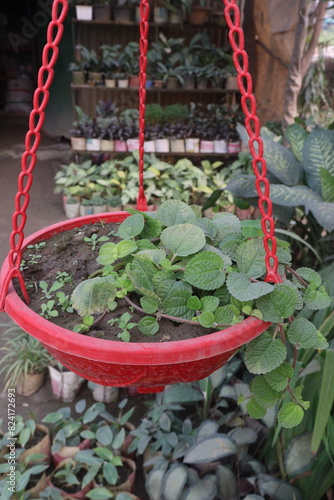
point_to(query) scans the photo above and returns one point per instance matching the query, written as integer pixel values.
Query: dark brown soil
(68, 252)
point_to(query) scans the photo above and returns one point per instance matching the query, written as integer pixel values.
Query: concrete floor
(45, 208)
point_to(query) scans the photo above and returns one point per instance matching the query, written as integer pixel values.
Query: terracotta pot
(110, 83)
(68, 452)
(93, 144)
(231, 83)
(122, 14)
(84, 12)
(80, 494)
(199, 15)
(102, 12)
(30, 383)
(65, 385)
(133, 81)
(107, 145)
(78, 143)
(43, 446)
(78, 78)
(192, 145)
(172, 83)
(149, 366)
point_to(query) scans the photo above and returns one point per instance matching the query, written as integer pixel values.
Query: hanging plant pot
(102, 12)
(65, 385)
(107, 145)
(78, 78)
(192, 145)
(133, 144)
(30, 383)
(199, 15)
(162, 146)
(160, 15)
(84, 12)
(122, 14)
(78, 143)
(41, 447)
(103, 394)
(149, 366)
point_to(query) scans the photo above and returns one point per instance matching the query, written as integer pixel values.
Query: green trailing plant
(23, 355)
(211, 273)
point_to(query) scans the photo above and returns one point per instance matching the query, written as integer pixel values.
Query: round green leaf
(148, 326)
(173, 212)
(280, 303)
(240, 286)
(194, 303)
(224, 315)
(254, 409)
(264, 354)
(250, 258)
(302, 333)
(130, 227)
(149, 304)
(183, 239)
(125, 247)
(108, 253)
(263, 393)
(278, 378)
(205, 271)
(206, 319)
(290, 415)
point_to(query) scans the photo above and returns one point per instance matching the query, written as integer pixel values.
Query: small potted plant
(110, 63)
(114, 203)
(99, 204)
(72, 207)
(65, 383)
(85, 207)
(91, 62)
(123, 11)
(199, 13)
(102, 10)
(172, 76)
(93, 135)
(78, 72)
(84, 10)
(25, 361)
(129, 61)
(160, 12)
(33, 440)
(71, 479)
(102, 393)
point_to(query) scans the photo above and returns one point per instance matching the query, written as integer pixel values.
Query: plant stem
(161, 315)
(296, 275)
(279, 454)
(100, 318)
(96, 273)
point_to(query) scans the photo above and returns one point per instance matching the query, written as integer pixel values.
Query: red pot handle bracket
(37, 116)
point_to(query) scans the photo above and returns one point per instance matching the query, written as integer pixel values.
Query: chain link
(252, 124)
(32, 141)
(143, 44)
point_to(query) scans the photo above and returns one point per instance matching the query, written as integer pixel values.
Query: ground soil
(67, 251)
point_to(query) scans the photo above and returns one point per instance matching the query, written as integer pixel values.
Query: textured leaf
(243, 186)
(205, 489)
(278, 378)
(251, 228)
(243, 435)
(205, 271)
(174, 212)
(309, 275)
(292, 196)
(290, 415)
(175, 302)
(318, 152)
(209, 303)
(224, 315)
(316, 299)
(250, 258)
(323, 212)
(149, 305)
(182, 393)
(227, 224)
(130, 227)
(240, 286)
(152, 228)
(254, 409)
(281, 162)
(174, 482)
(108, 253)
(206, 319)
(277, 489)
(194, 303)
(227, 484)
(209, 228)
(263, 393)
(302, 333)
(264, 354)
(298, 456)
(148, 326)
(210, 449)
(93, 295)
(125, 248)
(295, 134)
(183, 239)
(156, 255)
(226, 259)
(327, 185)
(279, 304)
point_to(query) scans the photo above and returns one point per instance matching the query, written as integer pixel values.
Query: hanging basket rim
(83, 346)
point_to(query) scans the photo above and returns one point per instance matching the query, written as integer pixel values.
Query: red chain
(252, 123)
(143, 44)
(32, 140)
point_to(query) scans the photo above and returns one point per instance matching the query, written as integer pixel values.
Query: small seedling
(48, 292)
(85, 326)
(48, 311)
(94, 240)
(124, 325)
(64, 302)
(63, 277)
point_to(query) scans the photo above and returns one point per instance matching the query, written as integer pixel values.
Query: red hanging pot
(149, 366)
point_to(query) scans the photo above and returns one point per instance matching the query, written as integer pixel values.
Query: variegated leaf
(318, 152)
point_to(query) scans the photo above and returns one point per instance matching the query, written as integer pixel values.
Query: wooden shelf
(153, 90)
(182, 155)
(136, 24)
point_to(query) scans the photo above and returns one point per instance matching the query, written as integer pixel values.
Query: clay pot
(199, 15)
(30, 383)
(133, 81)
(172, 83)
(42, 447)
